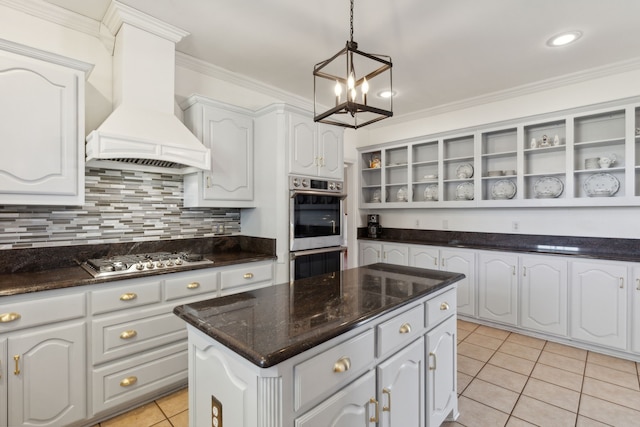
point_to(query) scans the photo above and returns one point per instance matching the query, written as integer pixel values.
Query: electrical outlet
(445, 224)
(515, 226)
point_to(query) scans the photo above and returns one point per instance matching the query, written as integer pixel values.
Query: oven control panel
(306, 183)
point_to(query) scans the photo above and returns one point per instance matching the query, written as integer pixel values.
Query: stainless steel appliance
(373, 225)
(316, 213)
(131, 264)
(314, 262)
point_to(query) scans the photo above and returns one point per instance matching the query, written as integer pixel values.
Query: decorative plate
(431, 177)
(402, 195)
(464, 171)
(503, 189)
(601, 185)
(548, 187)
(431, 192)
(376, 197)
(464, 191)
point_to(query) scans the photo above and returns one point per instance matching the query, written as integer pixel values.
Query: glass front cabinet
(585, 157)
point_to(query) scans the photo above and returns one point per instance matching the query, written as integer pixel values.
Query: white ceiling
(443, 51)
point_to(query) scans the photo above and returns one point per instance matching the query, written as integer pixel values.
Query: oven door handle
(295, 193)
(297, 254)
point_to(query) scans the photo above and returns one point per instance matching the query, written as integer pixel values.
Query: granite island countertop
(270, 325)
(40, 269)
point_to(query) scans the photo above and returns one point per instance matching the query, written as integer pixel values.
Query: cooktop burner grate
(141, 263)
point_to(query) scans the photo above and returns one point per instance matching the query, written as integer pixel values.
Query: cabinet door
(424, 257)
(349, 407)
(498, 287)
(441, 393)
(543, 297)
(464, 262)
(303, 158)
(635, 325)
(42, 130)
(395, 254)
(4, 372)
(599, 303)
(330, 152)
(229, 135)
(49, 357)
(370, 253)
(401, 388)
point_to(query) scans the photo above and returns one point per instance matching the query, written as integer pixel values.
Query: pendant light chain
(351, 21)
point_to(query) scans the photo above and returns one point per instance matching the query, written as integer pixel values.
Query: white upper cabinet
(42, 131)
(315, 150)
(228, 132)
(580, 157)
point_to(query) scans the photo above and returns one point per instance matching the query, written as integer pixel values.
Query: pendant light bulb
(365, 86)
(338, 89)
(351, 82)
(353, 94)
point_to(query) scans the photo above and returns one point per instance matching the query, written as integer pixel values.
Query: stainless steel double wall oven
(316, 226)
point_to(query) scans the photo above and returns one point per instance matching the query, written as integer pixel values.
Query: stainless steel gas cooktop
(142, 263)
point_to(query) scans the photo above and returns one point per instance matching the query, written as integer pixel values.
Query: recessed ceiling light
(387, 93)
(564, 39)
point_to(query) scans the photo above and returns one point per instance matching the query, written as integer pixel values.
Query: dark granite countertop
(39, 269)
(587, 247)
(270, 325)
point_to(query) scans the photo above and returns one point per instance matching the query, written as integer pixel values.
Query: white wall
(584, 221)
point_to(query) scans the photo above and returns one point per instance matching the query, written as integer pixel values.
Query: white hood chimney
(143, 129)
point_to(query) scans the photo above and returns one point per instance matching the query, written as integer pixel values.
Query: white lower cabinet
(635, 329)
(453, 260)
(390, 253)
(543, 294)
(599, 303)
(441, 373)
(498, 287)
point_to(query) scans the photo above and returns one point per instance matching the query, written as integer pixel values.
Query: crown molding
(118, 13)
(57, 15)
(540, 86)
(208, 69)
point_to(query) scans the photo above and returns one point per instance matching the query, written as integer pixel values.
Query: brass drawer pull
(435, 361)
(128, 296)
(128, 334)
(193, 285)
(16, 358)
(376, 414)
(129, 381)
(405, 328)
(248, 275)
(9, 317)
(444, 306)
(388, 393)
(342, 365)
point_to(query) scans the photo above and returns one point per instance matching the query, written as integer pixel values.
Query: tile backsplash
(120, 206)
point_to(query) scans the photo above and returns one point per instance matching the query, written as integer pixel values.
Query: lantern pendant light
(356, 74)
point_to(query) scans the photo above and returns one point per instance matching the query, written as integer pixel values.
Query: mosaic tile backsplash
(120, 206)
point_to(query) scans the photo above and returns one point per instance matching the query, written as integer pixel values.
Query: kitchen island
(331, 350)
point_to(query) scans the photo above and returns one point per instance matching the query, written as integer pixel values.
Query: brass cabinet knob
(342, 365)
(129, 381)
(193, 285)
(9, 317)
(444, 306)
(128, 296)
(405, 328)
(248, 275)
(125, 335)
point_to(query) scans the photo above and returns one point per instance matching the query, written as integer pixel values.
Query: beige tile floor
(504, 379)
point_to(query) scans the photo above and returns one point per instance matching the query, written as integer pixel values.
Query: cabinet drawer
(134, 378)
(128, 294)
(400, 330)
(441, 307)
(182, 285)
(40, 311)
(126, 334)
(328, 370)
(248, 274)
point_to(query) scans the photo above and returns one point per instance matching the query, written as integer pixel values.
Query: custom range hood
(142, 132)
